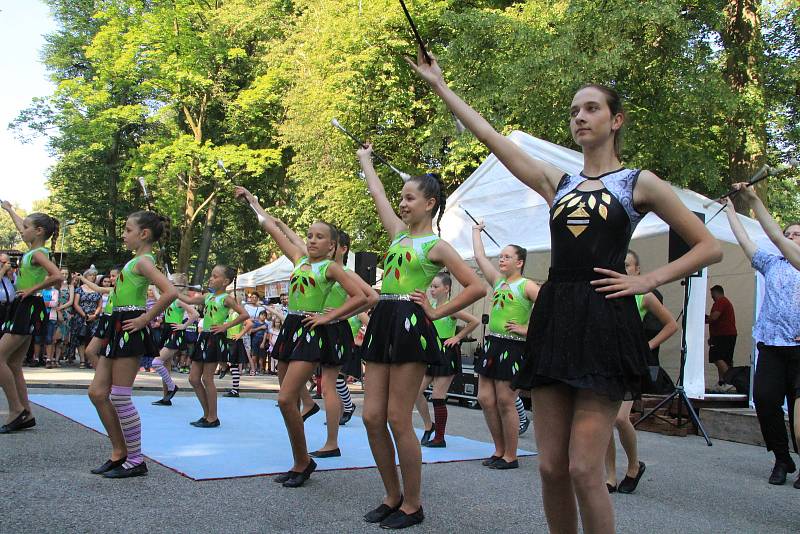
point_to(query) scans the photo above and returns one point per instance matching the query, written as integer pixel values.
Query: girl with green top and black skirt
(307, 338)
(26, 314)
(504, 347)
(128, 339)
(441, 375)
(212, 345)
(401, 340)
(97, 345)
(237, 355)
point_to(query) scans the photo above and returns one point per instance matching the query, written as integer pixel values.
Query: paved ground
(45, 486)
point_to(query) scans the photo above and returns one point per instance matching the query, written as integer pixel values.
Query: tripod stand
(680, 392)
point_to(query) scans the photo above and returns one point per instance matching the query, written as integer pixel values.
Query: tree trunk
(744, 48)
(187, 230)
(205, 243)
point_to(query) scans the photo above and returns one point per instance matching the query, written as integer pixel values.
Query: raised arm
(741, 235)
(654, 306)
(789, 249)
(269, 225)
(292, 235)
(95, 287)
(388, 217)
(538, 175)
(491, 274)
(194, 301)
(6, 205)
(653, 194)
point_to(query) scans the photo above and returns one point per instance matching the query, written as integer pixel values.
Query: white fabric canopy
(514, 213)
(278, 271)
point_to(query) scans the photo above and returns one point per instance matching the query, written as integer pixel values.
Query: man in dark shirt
(721, 337)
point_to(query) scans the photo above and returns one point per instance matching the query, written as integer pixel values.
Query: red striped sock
(439, 418)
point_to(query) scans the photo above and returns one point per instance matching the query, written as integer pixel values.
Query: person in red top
(721, 337)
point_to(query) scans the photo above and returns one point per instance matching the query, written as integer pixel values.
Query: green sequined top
(445, 327)
(130, 289)
(509, 304)
(214, 312)
(640, 306)
(406, 267)
(175, 313)
(234, 330)
(109, 306)
(309, 288)
(29, 274)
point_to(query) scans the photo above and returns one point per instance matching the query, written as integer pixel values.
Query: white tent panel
(278, 271)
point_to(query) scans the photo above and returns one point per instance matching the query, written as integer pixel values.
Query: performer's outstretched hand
(431, 73)
(621, 285)
(365, 152)
(240, 192)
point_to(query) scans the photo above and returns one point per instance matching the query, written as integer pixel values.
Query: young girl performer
(627, 433)
(212, 345)
(97, 345)
(178, 316)
(306, 339)
(585, 347)
(25, 316)
(401, 340)
(128, 339)
(441, 375)
(504, 347)
(237, 355)
(777, 375)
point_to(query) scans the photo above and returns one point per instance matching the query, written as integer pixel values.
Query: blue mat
(251, 441)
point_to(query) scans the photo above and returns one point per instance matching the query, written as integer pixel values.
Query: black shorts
(721, 348)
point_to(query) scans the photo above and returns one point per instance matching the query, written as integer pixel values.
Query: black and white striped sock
(235, 374)
(521, 411)
(344, 394)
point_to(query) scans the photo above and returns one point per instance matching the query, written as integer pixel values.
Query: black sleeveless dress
(576, 336)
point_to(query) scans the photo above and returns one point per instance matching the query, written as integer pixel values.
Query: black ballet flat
(628, 484)
(334, 453)
(400, 519)
(16, 424)
(382, 512)
(311, 412)
(207, 424)
(611, 488)
(490, 460)
(501, 464)
(435, 444)
(426, 437)
(108, 466)
(283, 477)
(28, 423)
(162, 402)
(199, 422)
(171, 394)
(121, 472)
(346, 416)
(298, 479)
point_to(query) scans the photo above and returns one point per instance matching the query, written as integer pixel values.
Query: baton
(414, 30)
(405, 176)
(476, 222)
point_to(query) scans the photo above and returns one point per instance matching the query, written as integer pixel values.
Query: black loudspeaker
(677, 246)
(366, 266)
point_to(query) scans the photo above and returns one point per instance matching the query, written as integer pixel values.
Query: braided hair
(160, 226)
(431, 186)
(49, 224)
(344, 241)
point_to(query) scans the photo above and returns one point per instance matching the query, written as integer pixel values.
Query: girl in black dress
(586, 350)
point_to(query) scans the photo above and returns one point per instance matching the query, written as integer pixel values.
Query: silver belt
(392, 296)
(129, 308)
(512, 337)
(303, 313)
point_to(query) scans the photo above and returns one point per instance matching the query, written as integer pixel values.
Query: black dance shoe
(311, 412)
(30, 422)
(298, 479)
(17, 424)
(199, 422)
(207, 424)
(628, 484)
(120, 472)
(346, 416)
(223, 371)
(502, 464)
(283, 477)
(523, 426)
(778, 476)
(797, 483)
(171, 394)
(435, 444)
(426, 437)
(108, 466)
(490, 460)
(334, 453)
(400, 519)
(232, 393)
(382, 512)
(162, 402)
(611, 488)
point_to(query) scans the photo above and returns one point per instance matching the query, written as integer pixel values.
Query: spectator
(7, 291)
(259, 335)
(87, 307)
(721, 337)
(66, 294)
(47, 339)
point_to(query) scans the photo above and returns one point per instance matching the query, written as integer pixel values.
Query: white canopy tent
(278, 271)
(514, 213)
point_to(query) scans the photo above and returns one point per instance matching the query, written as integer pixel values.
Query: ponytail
(431, 186)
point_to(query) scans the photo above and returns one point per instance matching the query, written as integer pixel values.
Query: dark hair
(47, 223)
(431, 186)
(718, 289)
(446, 280)
(633, 253)
(159, 226)
(230, 274)
(344, 241)
(614, 103)
(522, 254)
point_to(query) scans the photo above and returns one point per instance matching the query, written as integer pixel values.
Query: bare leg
(627, 437)
(294, 380)
(333, 407)
(94, 349)
(552, 420)
(99, 390)
(375, 416)
(15, 365)
(10, 345)
(404, 381)
(488, 401)
(196, 381)
(422, 404)
(509, 418)
(611, 462)
(211, 391)
(592, 423)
